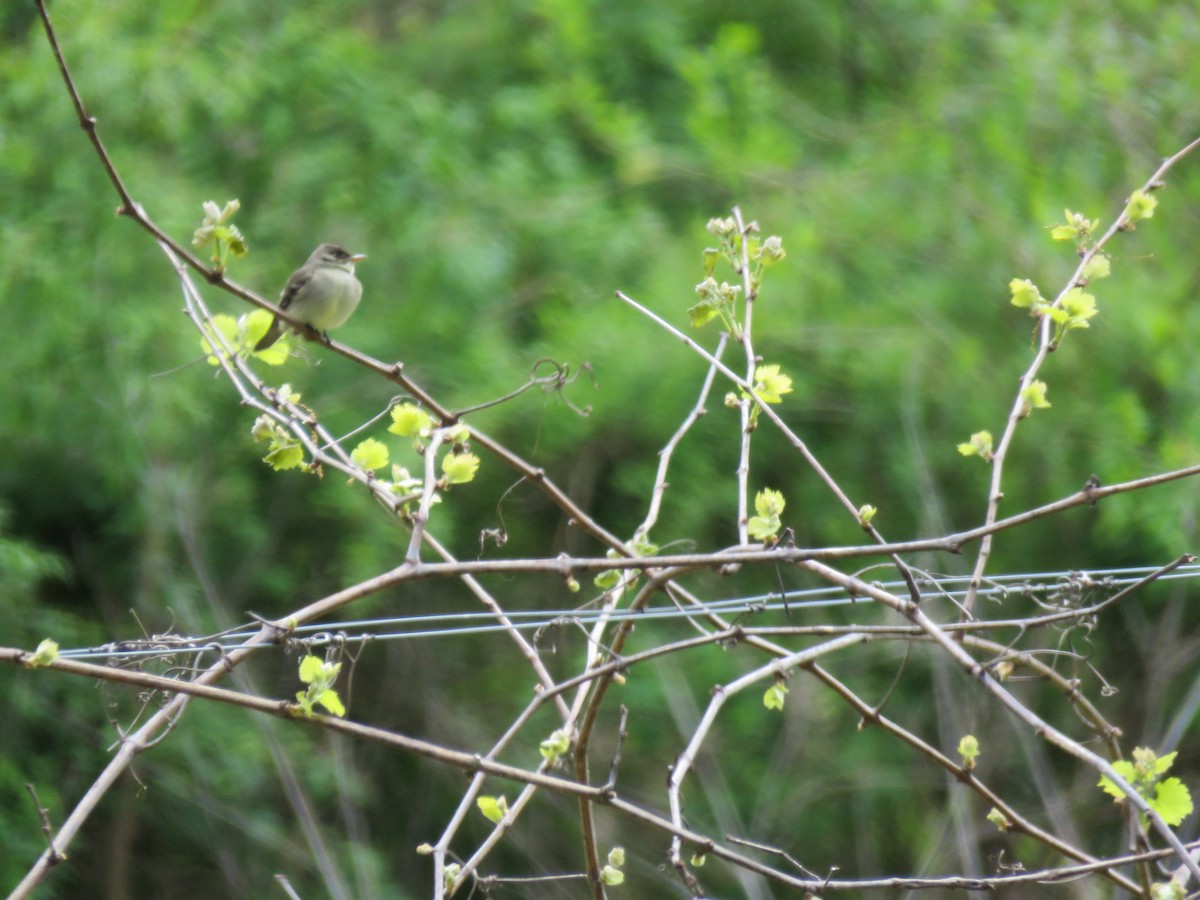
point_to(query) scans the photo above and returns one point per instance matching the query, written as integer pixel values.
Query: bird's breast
(339, 291)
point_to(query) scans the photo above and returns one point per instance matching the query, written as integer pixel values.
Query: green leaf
(769, 503)
(980, 444)
(762, 529)
(277, 354)
(1033, 397)
(286, 394)
(310, 668)
(1164, 763)
(998, 819)
(218, 231)
(409, 420)
(1078, 228)
(702, 313)
(1141, 206)
(1025, 293)
(495, 808)
(611, 874)
(1079, 307)
(775, 695)
(284, 450)
(319, 675)
(968, 749)
(264, 428)
(46, 653)
(770, 384)
(227, 326)
(641, 545)
(404, 483)
(460, 468)
(611, 877)
(606, 581)
(371, 455)
(770, 251)
(1125, 769)
(285, 457)
(1172, 801)
(332, 702)
(556, 745)
(1097, 267)
(253, 327)
(715, 300)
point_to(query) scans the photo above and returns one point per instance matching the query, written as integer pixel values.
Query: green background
(507, 166)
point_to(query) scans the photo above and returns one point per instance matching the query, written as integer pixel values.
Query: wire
(462, 624)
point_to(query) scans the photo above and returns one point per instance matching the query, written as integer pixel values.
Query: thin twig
(1035, 722)
(1045, 346)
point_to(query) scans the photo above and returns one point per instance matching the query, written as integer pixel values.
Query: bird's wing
(299, 280)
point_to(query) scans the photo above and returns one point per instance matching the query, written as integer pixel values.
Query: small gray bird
(322, 293)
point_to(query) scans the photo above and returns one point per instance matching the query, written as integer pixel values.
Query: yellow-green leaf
(371, 455)
(495, 808)
(770, 384)
(285, 457)
(310, 668)
(409, 420)
(1125, 769)
(769, 503)
(227, 326)
(611, 877)
(1034, 397)
(980, 444)
(46, 653)
(459, 468)
(332, 702)
(1172, 801)
(1097, 267)
(775, 695)
(702, 313)
(1025, 293)
(968, 749)
(556, 745)
(1141, 206)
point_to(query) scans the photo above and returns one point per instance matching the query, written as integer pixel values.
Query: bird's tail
(272, 335)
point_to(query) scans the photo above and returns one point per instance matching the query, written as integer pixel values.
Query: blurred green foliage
(506, 166)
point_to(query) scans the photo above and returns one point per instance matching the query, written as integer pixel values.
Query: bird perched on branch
(322, 293)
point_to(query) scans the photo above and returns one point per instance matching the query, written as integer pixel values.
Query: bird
(322, 293)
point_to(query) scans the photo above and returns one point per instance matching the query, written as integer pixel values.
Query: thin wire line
(463, 624)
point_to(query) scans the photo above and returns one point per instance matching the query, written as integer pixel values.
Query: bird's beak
(358, 257)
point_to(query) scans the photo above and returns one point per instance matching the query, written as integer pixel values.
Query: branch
(1045, 346)
(1037, 724)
